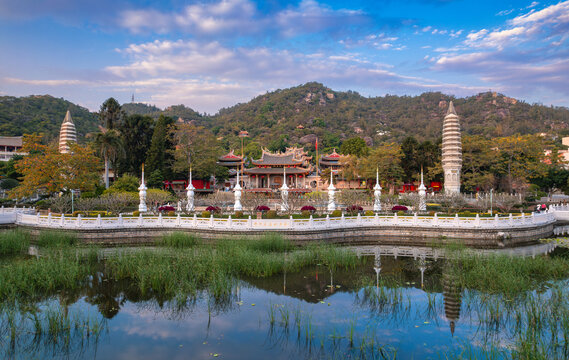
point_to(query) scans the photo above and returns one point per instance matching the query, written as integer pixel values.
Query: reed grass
(56, 239)
(13, 242)
(506, 274)
(178, 240)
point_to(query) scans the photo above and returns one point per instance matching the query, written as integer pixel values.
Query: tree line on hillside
(42, 114)
(168, 147)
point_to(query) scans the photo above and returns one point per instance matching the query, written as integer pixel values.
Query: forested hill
(315, 109)
(312, 110)
(176, 111)
(42, 114)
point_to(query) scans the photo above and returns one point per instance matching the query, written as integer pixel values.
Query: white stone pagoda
(452, 151)
(67, 134)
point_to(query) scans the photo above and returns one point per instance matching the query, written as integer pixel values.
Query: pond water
(384, 308)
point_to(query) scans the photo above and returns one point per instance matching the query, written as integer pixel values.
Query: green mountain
(313, 109)
(176, 111)
(303, 113)
(42, 114)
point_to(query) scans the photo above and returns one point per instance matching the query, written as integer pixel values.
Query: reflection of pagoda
(268, 171)
(452, 294)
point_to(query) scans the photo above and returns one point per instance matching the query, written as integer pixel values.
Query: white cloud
(43, 82)
(202, 18)
(237, 17)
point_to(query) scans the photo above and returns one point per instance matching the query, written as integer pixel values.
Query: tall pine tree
(160, 155)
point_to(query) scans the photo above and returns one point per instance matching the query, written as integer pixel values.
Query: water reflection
(452, 294)
(389, 300)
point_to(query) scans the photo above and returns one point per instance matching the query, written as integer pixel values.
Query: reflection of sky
(137, 333)
(145, 331)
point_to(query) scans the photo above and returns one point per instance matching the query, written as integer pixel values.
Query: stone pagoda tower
(452, 151)
(67, 134)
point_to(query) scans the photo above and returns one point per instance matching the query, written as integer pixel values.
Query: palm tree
(109, 144)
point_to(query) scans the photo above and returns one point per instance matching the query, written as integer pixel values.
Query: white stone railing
(149, 222)
(15, 209)
(560, 211)
(8, 215)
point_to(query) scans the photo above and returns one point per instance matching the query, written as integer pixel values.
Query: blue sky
(210, 54)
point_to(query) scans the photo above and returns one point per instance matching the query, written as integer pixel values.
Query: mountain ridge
(303, 113)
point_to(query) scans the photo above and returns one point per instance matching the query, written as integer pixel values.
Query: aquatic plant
(14, 242)
(54, 238)
(178, 240)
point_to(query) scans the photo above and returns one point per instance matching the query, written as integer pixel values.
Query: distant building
(10, 146)
(233, 163)
(67, 134)
(331, 161)
(268, 171)
(452, 151)
(562, 154)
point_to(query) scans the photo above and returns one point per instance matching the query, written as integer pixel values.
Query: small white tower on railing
(377, 193)
(190, 194)
(237, 189)
(142, 194)
(422, 194)
(284, 192)
(331, 193)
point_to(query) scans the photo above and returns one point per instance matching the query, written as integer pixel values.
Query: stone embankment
(478, 232)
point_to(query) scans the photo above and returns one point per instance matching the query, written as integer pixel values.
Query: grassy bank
(180, 267)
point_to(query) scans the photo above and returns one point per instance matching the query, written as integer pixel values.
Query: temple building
(10, 146)
(233, 163)
(452, 152)
(67, 134)
(331, 161)
(268, 171)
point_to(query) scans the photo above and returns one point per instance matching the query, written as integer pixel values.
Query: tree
(136, 135)
(519, 159)
(109, 145)
(409, 147)
(126, 183)
(45, 168)
(111, 114)
(197, 146)
(355, 146)
(386, 159)
(160, 155)
(280, 144)
(478, 160)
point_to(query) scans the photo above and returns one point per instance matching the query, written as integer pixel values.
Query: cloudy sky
(213, 54)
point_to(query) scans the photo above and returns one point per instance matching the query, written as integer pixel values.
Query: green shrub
(336, 213)
(171, 213)
(369, 213)
(126, 183)
(136, 213)
(238, 215)
(465, 213)
(42, 204)
(271, 214)
(400, 213)
(305, 214)
(206, 214)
